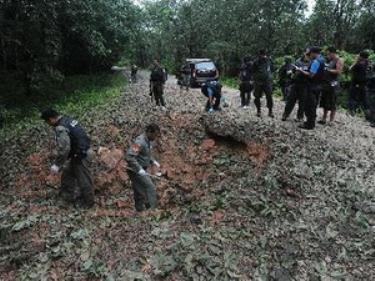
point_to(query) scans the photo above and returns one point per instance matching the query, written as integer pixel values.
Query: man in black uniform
(298, 88)
(285, 77)
(315, 75)
(262, 74)
(245, 82)
(157, 80)
(73, 147)
(357, 95)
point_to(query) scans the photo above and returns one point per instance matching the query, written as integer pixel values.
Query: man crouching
(139, 160)
(73, 147)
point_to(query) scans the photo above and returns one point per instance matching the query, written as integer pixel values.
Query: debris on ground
(240, 198)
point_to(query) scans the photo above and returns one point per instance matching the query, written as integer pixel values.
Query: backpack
(80, 142)
(158, 75)
(263, 70)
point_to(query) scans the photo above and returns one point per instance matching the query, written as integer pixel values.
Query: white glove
(211, 110)
(55, 169)
(158, 174)
(156, 163)
(142, 172)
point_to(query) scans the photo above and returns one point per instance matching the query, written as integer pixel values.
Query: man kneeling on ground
(212, 90)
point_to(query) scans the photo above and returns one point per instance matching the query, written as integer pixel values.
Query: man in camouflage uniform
(139, 160)
(357, 93)
(262, 74)
(134, 70)
(157, 80)
(73, 146)
(246, 84)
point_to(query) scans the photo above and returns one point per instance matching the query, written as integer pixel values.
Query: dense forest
(45, 41)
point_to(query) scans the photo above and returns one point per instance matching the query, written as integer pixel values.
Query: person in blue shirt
(212, 90)
(315, 75)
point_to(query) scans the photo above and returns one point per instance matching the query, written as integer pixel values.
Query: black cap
(315, 50)
(262, 52)
(49, 113)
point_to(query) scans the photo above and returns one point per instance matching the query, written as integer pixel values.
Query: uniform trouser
(285, 89)
(261, 88)
(77, 174)
(245, 93)
(134, 76)
(311, 102)
(370, 94)
(158, 92)
(357, 98)
(297, 94)
(144, 191)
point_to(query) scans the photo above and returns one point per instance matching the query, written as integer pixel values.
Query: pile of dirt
(240, 198)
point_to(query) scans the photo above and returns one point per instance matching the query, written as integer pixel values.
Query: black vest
(158, 75)
(79, 141)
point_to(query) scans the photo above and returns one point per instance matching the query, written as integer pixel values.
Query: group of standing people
(310, 81)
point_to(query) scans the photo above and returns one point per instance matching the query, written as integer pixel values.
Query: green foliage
(225, 31)
(77, 95)
(41, 41)
(229, 81)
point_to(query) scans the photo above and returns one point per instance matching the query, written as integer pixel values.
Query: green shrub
(77, 95)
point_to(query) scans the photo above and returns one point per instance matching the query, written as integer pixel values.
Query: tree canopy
(45, 40)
